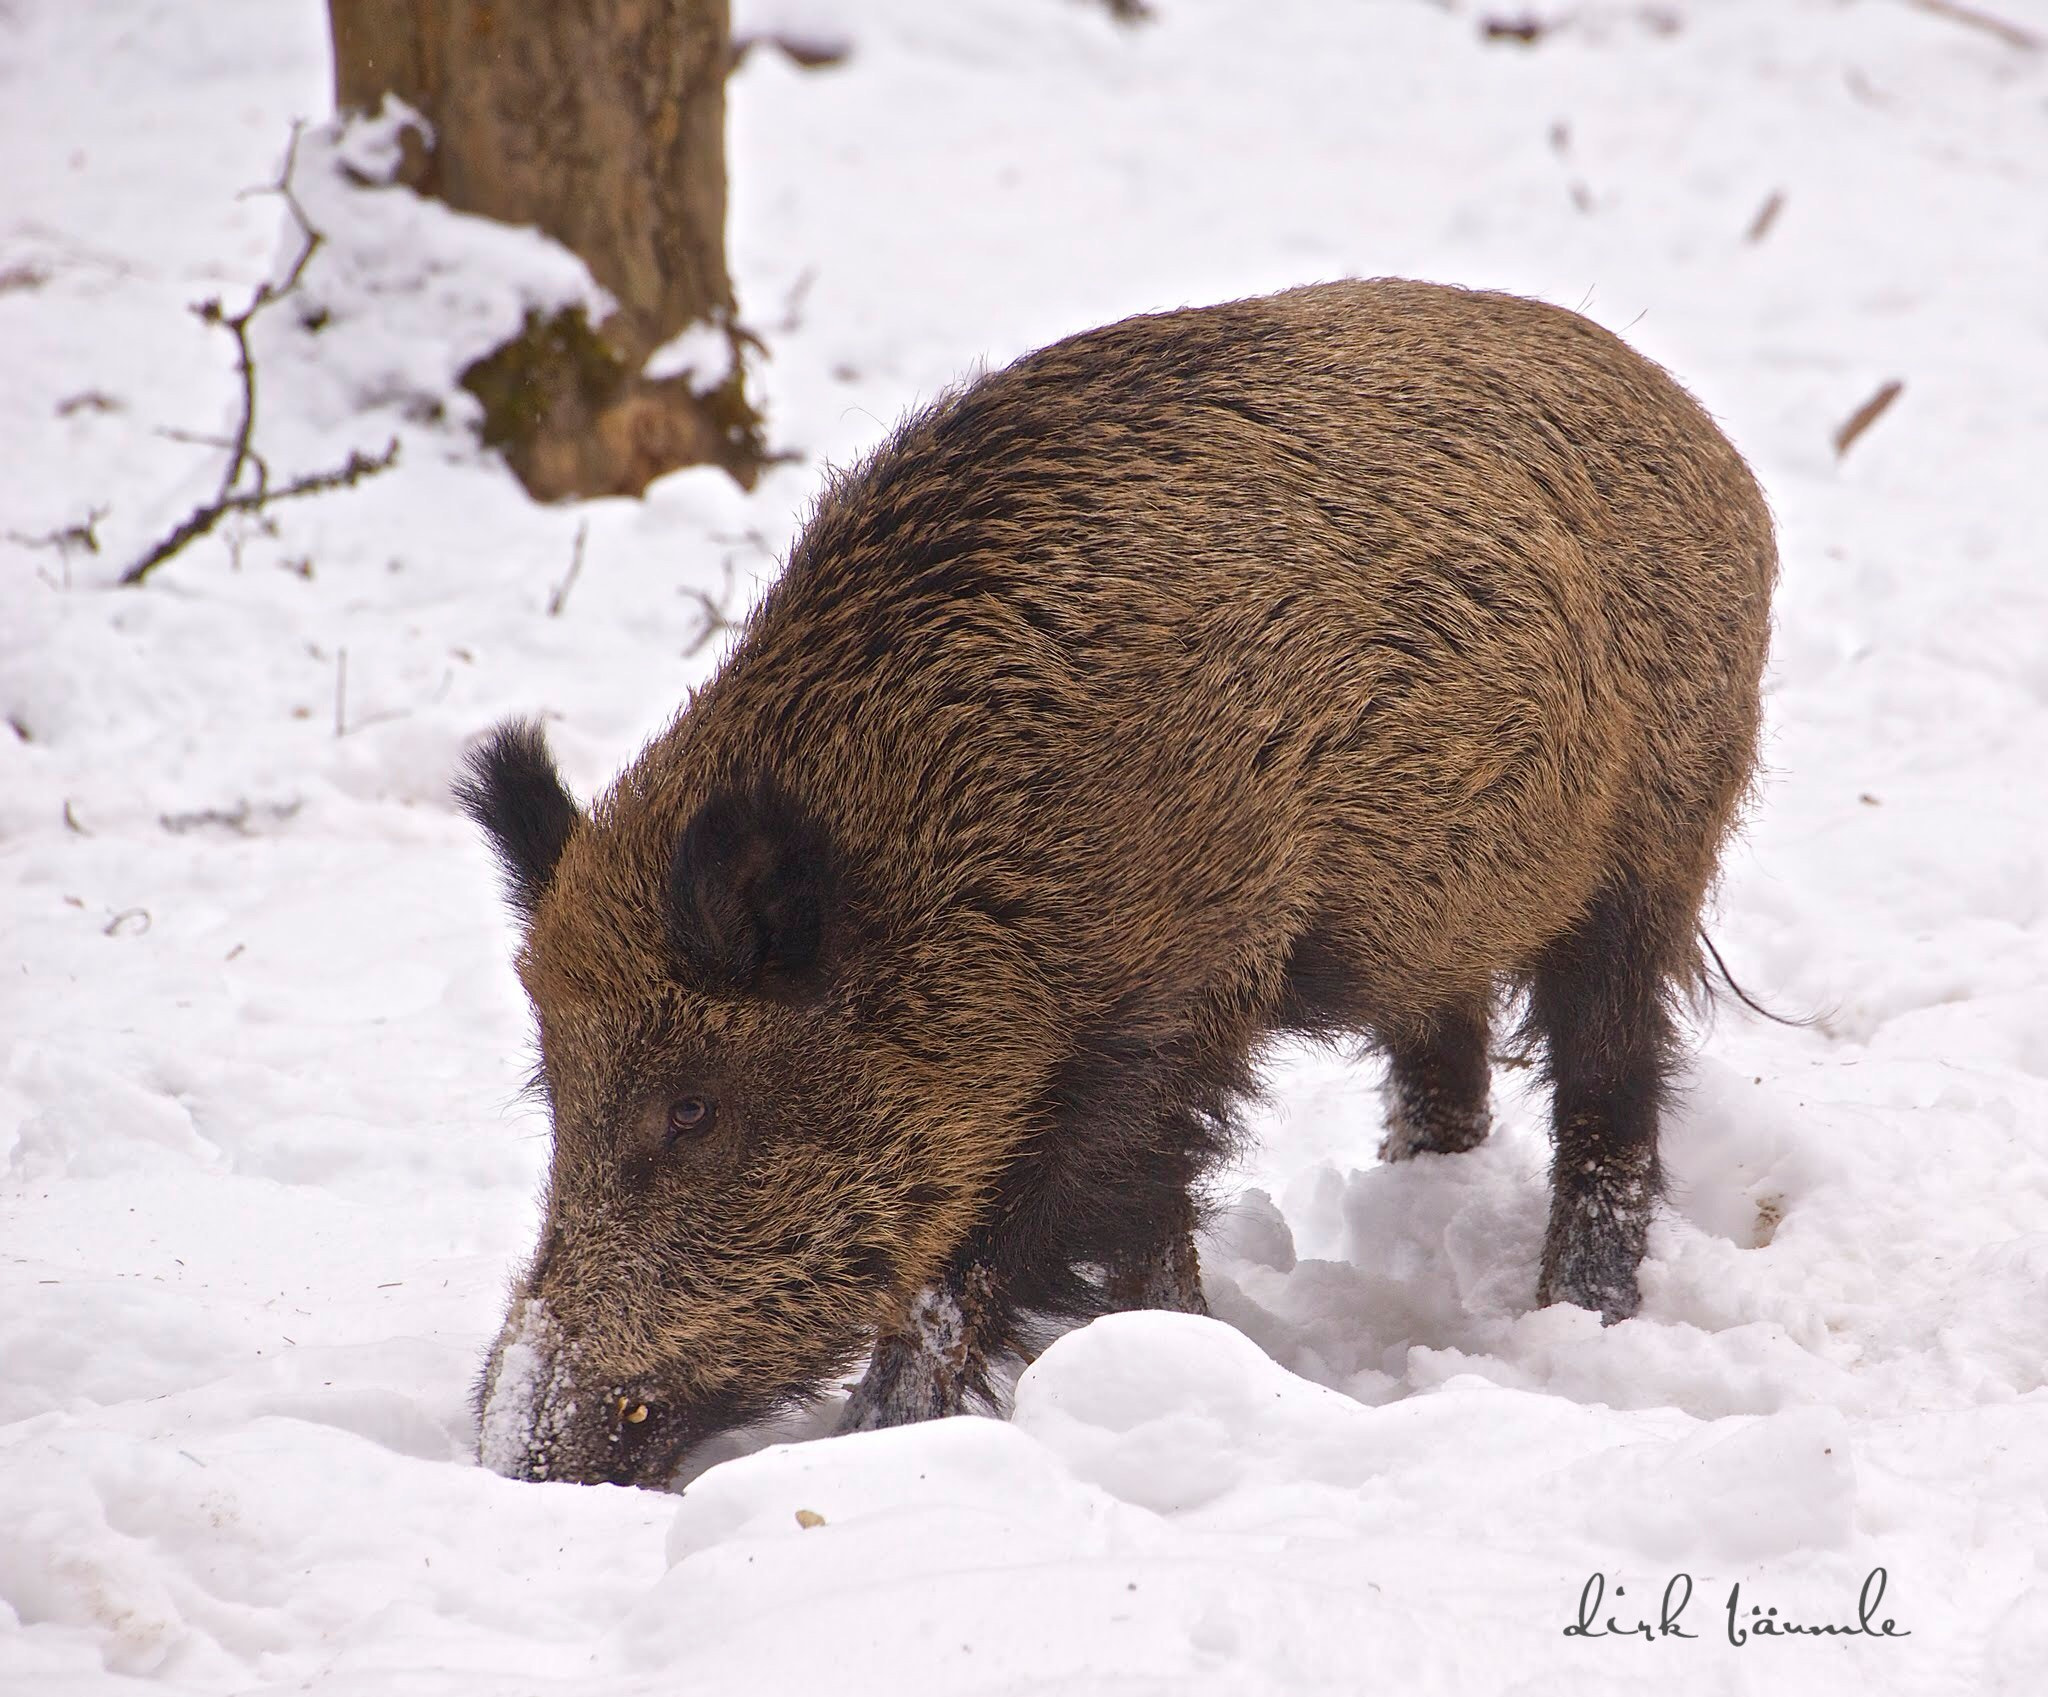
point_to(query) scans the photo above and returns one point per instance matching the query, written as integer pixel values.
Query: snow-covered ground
(265, 1164)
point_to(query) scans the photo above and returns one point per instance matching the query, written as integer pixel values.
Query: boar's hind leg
(933, 1361)
(1599, 1001)
(1164, 1274)
(1437, 1087)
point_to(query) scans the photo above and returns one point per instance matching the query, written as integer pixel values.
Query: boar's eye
(690, 1116)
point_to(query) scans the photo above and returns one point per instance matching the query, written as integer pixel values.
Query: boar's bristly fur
(1342, 663)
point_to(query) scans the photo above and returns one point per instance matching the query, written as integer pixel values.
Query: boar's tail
(1805, 1023)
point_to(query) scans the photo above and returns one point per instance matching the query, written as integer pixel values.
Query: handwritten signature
(1741, 1625)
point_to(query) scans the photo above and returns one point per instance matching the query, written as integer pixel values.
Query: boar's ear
(751, 892)
(511, 788)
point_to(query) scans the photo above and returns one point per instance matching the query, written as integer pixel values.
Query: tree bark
(601, 123)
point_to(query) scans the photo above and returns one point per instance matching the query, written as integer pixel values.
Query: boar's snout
(545, 1412)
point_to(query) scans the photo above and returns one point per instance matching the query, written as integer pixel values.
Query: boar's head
(746, 1171)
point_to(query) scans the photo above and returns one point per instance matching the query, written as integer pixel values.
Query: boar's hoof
(1426, 1120)
(1411, 1133)
(1592, 1250)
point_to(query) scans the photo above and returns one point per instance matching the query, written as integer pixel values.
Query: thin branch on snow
(243, 458)
(561, 594)
(1866, 415)
(1767, 215)
(359, 466)
(716, 618)
(2011, 34)
(83, 534)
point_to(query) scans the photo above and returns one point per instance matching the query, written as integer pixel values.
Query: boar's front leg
(1165, 1274)
(934, 1360)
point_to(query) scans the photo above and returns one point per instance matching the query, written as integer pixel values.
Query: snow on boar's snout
(545, 1412)
(1341, 663)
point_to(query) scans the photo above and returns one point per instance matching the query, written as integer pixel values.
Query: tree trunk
(602, 123)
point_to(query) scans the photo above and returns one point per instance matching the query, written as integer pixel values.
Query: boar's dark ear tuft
(511, 788)
(752, 889)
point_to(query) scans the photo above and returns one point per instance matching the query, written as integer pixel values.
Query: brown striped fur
(1336, 662)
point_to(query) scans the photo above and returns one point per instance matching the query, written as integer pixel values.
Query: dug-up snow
(265, 1166)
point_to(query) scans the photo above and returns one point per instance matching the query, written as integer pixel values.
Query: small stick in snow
(1767, 215)
(359, 466)
(84, 534)
(243, 458)
(793, 302)
(716, 618)
(568, 583)
(1865, 416)
(341, 692)
(2011, 34)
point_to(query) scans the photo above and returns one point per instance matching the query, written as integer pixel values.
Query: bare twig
(341, 692)
(1767, 215)
(2011, 34)
(83, 534)
(241, 819)
(793, 302)
(244, 463)
(238, 325)
(237, 538)
(73, 536)
(568, 582)
(197, 438)
(359, 467)
(1866, 415)
(716, 618)
(200, 439)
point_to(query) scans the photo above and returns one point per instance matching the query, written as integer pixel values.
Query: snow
(701, 352)
(267, 1168)
(405, 294)
(518, 1389)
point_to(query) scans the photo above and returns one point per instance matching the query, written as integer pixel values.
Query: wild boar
(1357, 662)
